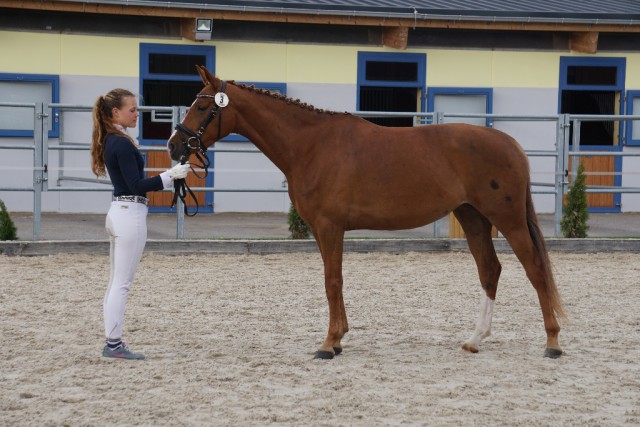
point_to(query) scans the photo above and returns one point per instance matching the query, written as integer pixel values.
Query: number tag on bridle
(222, 100)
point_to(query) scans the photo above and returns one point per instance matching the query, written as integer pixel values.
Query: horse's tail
(541, 248)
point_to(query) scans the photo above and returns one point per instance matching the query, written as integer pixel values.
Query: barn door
(594, 86)
(168, 77)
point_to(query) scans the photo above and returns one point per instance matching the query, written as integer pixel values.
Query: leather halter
(192, 143)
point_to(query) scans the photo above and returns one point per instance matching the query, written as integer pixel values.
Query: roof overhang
(395, 22)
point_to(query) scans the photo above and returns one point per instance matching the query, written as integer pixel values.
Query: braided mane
(286, 99)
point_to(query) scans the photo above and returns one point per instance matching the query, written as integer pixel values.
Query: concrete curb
(187, 247)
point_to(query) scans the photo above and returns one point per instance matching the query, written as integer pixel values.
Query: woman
(115, 152)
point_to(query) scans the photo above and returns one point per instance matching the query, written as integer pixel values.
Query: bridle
(192, 144)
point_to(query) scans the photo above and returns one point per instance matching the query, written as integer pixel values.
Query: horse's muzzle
(174, 149)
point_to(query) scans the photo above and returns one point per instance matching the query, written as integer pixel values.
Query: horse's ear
(203, 75)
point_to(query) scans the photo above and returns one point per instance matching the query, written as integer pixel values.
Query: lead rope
(180, 189)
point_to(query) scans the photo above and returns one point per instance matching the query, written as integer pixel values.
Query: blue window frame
(486, 93)
(410, 71)
(148, 50)
(156, 66)
(27, 88)
(633, 109)
(611, 77)
(597, 75)
(281, 88)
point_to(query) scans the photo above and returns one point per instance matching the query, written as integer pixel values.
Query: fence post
(45, 147)
(438, 118)
(562, 158)
(575, 160)
(176, 115)
(39, 121)
(60, 153)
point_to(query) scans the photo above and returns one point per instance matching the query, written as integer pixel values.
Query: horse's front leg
(331, 243)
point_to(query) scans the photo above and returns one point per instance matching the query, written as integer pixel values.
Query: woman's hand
(179, 171)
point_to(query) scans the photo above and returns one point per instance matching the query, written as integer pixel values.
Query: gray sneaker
(121, 352)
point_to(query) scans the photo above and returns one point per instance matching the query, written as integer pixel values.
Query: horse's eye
(201, 108)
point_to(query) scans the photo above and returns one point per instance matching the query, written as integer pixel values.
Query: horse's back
(464, 140)
(451, 151)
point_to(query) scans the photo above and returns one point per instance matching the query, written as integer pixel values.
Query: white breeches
(127, 227)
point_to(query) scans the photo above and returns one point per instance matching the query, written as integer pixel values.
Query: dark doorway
(165, 93)
(591, 102)
(389, 99)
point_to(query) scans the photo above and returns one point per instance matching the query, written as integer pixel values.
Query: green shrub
(8, 229)
(576, 213)
(298, 228)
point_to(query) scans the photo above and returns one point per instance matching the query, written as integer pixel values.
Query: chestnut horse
(345, 173)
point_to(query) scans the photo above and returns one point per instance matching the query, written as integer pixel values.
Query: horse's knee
(490, 279)
(490, 288)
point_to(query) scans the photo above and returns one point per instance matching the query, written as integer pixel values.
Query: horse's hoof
(338, 350)
(552, 353)
(471, 348)
(323, 354)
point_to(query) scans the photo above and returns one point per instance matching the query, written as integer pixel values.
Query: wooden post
(188, 29)
(584, 41)
(395, 37)
(456, 232)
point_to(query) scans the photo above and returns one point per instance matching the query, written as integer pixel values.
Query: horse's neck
(275, 127)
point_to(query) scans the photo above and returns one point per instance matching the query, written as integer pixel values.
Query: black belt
(133, 199)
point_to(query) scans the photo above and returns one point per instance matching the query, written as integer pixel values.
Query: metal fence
(40, 147)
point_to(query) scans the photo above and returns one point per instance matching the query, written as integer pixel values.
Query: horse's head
(204, 122)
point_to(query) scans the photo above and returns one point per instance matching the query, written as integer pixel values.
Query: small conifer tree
(8, 229)
(298, 228)
(576, 213)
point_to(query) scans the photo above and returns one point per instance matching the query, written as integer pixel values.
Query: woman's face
(127, 116)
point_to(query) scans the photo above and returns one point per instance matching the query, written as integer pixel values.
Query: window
(591, 76)
(633, 109)
(168, 77)
(27, 88)
(391, 82)
(391, 71)
(461, 100)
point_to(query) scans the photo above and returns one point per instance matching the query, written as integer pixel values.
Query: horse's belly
(400, 219)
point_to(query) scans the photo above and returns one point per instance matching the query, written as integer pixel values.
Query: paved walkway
(57, 226)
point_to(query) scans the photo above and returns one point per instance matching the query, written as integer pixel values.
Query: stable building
(512, 58)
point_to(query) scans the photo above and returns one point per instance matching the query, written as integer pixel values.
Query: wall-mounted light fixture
(204, 26)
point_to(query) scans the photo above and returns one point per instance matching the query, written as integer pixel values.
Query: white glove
(179, 171)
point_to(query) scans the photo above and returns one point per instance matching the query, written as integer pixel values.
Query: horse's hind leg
(526, 242)
(477, 230)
